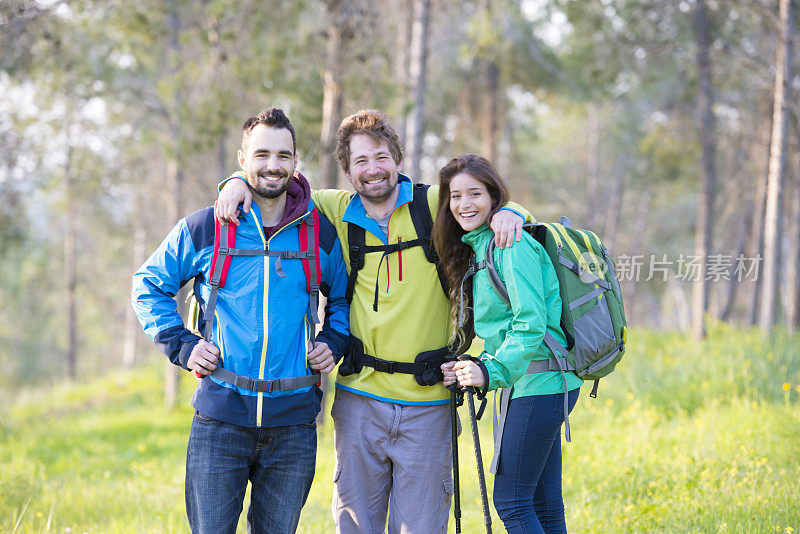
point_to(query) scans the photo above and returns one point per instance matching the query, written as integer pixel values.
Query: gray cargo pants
(390, 454)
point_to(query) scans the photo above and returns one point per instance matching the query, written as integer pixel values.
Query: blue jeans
(221, 457)
(527, 486)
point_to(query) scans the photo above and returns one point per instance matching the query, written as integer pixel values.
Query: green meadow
(683, 437)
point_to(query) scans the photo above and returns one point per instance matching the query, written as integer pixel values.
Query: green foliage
(683, 437)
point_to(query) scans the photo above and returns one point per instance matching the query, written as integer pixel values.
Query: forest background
(669, 128)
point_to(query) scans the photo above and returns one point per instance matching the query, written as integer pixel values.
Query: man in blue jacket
(256, 405)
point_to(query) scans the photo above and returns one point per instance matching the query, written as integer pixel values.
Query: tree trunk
(491, 120)
(615, 203)
(705, 203)
(777, 168)
(793, 265)
(223, 153)
(417, 75)
(172, 373)
(401, 65)
(593, 166)
(756, 238)
(637, 244)
(734, 283)
(132, 328)
(69, 258)
(338, 37)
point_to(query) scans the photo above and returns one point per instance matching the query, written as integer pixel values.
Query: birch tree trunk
(793, 265)
(70, 223)
(705, 104)
(417, 76)
(777, 168)
(756, 242)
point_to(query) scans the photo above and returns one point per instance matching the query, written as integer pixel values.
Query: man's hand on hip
(204, 358)
(320, 358)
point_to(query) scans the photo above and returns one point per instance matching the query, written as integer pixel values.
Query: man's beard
(269, 190)
(376, 195)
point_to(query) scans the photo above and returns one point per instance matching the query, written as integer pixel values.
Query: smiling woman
(470, 202)
(527, 463)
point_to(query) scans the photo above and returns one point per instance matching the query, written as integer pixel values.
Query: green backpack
(592, 313)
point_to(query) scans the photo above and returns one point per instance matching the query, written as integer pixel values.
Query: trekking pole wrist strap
(482, 391)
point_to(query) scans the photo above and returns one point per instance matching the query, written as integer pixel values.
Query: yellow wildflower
(787, 386)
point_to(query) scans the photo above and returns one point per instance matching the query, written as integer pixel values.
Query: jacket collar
(357, 214)
(298, 203)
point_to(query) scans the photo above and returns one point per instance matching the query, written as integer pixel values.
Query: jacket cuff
(336, 341)
(512, 210)
(187, 346)
(233, 176)
(177, 343)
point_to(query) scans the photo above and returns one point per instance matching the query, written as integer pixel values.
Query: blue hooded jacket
(261, 324)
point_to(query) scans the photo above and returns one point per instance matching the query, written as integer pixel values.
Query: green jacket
(513, 337)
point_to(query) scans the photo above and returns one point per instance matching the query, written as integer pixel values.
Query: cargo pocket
(337, 472)
(448, 488)
(448, 485)
(594, 336)
(336, 501)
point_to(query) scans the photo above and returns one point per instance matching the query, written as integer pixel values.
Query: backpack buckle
(384, 366)
(356, 257)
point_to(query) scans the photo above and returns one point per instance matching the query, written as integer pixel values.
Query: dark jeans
(279, 462)
(527, 486)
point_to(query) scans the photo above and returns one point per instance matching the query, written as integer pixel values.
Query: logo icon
(593, 266)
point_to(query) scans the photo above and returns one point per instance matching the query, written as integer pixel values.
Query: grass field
(683, 437)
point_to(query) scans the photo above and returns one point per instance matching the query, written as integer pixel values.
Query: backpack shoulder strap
(220, 263)
(356, 239)
(423, 224)
(494, 277)
(309, 244)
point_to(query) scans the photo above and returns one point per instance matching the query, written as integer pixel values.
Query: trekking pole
(454, 393)
(487, 515)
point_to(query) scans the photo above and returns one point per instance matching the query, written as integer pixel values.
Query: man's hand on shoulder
(203, 358)
(320, 357)
(233, 193)
(507, 227)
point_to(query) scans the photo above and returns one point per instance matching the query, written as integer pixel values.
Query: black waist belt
(426, 367)
(391, 367)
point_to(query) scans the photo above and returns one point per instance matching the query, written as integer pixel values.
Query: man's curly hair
(373, 123)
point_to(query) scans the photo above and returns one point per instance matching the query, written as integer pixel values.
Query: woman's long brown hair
(454, 255)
